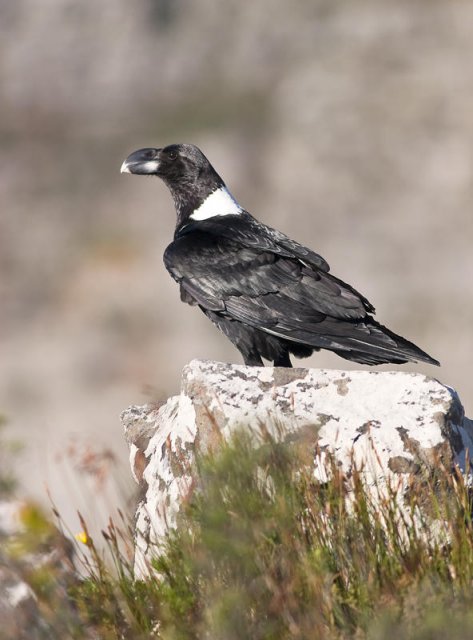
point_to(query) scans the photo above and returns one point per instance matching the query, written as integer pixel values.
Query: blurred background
(347, 125)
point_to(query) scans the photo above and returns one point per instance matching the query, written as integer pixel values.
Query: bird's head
(183, 167)
(176, 164)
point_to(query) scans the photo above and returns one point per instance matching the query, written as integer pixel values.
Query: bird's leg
(283, 360)
(253, 360)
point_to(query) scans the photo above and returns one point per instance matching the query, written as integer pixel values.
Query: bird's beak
(142, 162)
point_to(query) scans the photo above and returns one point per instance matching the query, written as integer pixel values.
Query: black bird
(269, 295)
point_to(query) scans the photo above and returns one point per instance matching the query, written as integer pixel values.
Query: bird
(272, 297)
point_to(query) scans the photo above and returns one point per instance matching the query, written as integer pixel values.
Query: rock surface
(19, 612)
(389, 424)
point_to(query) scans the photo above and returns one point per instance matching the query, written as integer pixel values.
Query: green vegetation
(8, 451)
(264, 552)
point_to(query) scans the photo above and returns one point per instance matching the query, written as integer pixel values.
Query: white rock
(19, 613)
(390, 424)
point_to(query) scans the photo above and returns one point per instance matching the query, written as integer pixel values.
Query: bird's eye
(172, 155)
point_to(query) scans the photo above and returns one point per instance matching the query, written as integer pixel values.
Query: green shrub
(262, 551)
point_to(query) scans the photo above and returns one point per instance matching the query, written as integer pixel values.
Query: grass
(264, 552)
(8, 451)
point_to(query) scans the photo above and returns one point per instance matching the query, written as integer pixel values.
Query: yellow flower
(82, 537)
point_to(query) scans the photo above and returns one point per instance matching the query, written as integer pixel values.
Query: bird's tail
(372, 343)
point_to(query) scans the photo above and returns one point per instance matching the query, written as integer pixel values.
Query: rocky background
(348, 125)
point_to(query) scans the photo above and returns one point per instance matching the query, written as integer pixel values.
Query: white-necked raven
(269, 295)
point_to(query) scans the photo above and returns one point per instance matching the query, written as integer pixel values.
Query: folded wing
(269, 289)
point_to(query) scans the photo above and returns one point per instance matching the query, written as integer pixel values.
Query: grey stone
(19, 613)
(388, 424)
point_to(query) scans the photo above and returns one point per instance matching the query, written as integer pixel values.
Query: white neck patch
(219, 203)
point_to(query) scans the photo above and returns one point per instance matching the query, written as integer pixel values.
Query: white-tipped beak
(143, 162)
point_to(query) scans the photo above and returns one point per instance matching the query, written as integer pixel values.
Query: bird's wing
(248, 231)
(274, 292)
